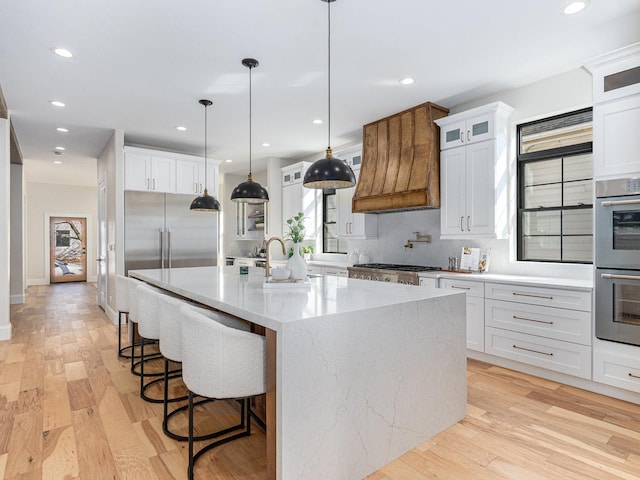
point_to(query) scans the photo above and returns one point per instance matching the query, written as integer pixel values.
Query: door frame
(47, 246)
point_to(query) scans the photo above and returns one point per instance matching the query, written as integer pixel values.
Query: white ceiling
(141, 66)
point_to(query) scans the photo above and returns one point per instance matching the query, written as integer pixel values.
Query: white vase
(296, 264)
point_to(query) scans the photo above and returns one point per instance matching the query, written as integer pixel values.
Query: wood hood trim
(401, 162)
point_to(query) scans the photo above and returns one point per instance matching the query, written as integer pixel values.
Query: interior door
(68, 249)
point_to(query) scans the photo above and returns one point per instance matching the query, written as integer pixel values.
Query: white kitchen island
(360, 372)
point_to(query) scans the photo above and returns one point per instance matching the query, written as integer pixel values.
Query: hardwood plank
(80, 395)
(95, 459)
(56, 408)
(25, 445)
(59, 454)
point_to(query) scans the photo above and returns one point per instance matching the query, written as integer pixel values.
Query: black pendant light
(205, 202)
(250, 191)
(329, 172)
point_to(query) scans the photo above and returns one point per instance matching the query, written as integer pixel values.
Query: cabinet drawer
(564, 357)
(551, 297)
(616, 370)
(314, 269)
(560, 324)
(473, 289)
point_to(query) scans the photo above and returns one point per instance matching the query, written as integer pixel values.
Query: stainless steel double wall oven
(617, 260)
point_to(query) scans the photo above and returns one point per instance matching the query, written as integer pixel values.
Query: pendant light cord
(329, 74)
(250, 122)
(205, 146)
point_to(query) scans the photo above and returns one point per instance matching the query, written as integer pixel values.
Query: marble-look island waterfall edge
(364, 371)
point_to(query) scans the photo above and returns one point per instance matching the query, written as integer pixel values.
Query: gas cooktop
(396, 267)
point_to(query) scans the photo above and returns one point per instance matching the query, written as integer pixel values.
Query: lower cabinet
(566, 357)
(620, 368)
(546, 327)
(475, 310)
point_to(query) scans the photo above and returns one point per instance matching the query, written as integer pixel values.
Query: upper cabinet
(165, 172)
(469, 130)
(473, 173)
(297, 198)
(616, 113)
(190, 175)
(350, 224)
(251, 221)
(146, 172)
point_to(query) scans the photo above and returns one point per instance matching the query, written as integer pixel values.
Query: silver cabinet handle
(200, 188)
(148, 184)
(468, 135)
(460, 288)
(547, 297)
(613, 203)
(532, 320)
(468, 221)
(195, 187)
(634, 376)
(619, 277)
(461, 227)
(154, 184)
(534, 351)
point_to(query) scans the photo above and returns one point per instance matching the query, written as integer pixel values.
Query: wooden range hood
(401, 162)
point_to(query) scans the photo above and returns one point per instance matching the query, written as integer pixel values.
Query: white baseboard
(37, 281)
(16, 299)
(5, 332)
(111, 314)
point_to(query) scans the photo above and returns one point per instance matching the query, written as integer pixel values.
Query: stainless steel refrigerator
(160, 231)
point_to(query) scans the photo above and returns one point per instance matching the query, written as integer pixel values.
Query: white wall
(45, 200)
(558, 94)
(5, 188)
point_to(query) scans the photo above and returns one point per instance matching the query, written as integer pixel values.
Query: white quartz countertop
(555, 282)
(225, 289)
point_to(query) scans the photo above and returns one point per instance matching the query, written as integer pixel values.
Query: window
(555, 189)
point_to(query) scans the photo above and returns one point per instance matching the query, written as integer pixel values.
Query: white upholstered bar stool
(122, 306)
(221, 363)
(171, 349)
(134, 314)
(148, 316)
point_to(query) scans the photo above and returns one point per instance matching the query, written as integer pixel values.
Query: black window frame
(550, 154)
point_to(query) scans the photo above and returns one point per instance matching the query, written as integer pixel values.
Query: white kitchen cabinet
(616, 143)
(190, 174)
(158, 171)
(335, 272)
(467, 190)
(475, 309)
(545, 327)
(463, 131)
(144, 171)
(616, 113)
(353, 225)
(250, 221)
(297, 198)
(473, 174)
(616, 364)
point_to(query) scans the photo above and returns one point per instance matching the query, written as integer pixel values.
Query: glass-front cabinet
(251, 221)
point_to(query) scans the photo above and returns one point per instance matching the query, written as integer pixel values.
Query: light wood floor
(70, 409)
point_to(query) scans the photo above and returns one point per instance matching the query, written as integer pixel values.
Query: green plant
(295, 225)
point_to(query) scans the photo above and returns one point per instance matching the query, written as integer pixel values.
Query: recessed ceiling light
(57, 162)
(181, 129)
(317, 121)
(62, 129)
(56, 103)
(60, 148)
(266, 144)
(63, 52)
(574, 6)
(407, 81)
(228, 160)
